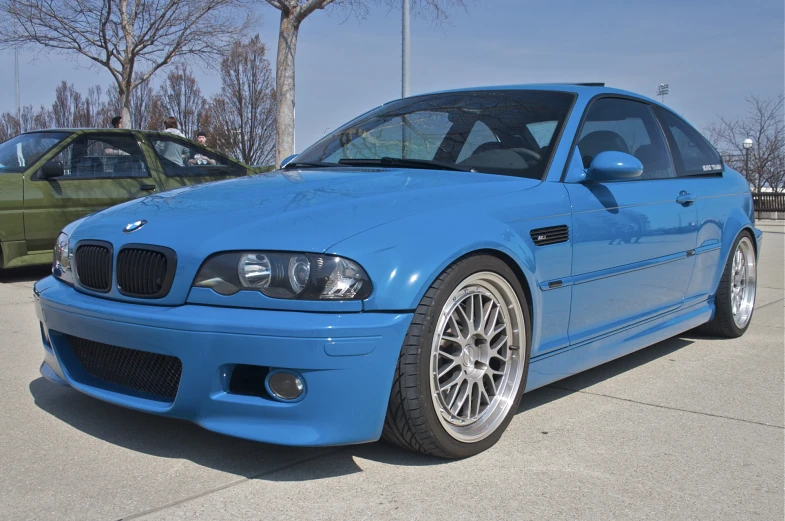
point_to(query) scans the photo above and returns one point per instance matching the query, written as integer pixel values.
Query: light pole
(662, 90)
(405, 33)
(747, 144)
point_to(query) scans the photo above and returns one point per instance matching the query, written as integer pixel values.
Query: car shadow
(26, 274)
(170, 438)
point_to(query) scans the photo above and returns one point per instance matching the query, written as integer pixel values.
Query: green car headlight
(61, 259)
(303, 276)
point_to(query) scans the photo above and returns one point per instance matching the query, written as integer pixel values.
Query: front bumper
(347, 361)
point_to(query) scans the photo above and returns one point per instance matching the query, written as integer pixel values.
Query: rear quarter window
(692, 153)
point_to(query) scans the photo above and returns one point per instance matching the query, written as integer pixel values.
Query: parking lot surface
(690, 428)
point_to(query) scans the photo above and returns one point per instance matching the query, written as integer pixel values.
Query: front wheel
(463, 366)
(735, 298)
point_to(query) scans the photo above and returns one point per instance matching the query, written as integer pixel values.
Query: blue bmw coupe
(410, 275)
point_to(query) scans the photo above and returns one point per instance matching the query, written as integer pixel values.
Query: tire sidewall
(461, 271)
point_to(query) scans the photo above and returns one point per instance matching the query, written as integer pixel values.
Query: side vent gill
(550, 235)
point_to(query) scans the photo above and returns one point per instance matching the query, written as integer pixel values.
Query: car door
(184, 162)
(99, 170)
(700, 169)
(634, 241)
(11, 224)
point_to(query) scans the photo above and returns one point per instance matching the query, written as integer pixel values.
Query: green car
(49, 178)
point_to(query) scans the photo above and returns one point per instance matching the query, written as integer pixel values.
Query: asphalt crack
(752, 422)
(236, 482)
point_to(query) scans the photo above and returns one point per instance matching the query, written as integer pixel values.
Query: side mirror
(614, 166)
(287, 160)
(51, 169)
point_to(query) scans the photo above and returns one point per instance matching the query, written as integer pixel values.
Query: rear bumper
(346, 360)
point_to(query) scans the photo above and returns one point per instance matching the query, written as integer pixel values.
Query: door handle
(147, 188)
(685, 198)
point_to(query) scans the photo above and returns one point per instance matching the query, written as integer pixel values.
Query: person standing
(117, 122)
(170, 149)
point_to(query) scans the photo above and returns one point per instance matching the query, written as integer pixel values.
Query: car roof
(582, 89)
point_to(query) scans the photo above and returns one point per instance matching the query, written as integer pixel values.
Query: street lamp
(747, 144)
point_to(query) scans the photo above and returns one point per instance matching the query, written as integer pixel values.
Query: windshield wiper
(410, 163)
(310, 164)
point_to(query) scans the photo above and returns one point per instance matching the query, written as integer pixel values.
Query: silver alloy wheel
(477, 356)
(743, 281)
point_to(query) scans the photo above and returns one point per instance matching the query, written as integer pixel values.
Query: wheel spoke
(464, 391)
(457, 378)
(501, 342)
(490, 379)
(448, 367)
(456, 329)
(492, 321)
(466, 320)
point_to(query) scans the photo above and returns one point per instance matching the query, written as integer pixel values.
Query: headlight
(304, 276)
(61, 259)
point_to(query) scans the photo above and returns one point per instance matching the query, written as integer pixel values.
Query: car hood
(300, 210)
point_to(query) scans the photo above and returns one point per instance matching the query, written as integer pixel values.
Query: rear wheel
(463, 366)
(735, 299)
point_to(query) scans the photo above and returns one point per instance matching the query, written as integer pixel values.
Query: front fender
(404, 257)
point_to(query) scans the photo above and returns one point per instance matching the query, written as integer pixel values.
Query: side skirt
(571, 360)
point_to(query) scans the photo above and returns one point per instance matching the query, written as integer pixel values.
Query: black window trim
(575, 139)
(76, 135)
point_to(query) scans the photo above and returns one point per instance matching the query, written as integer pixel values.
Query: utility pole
(16, 80)
(662, 90)
(405, 48)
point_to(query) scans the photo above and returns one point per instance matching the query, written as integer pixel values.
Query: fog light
(285, 386)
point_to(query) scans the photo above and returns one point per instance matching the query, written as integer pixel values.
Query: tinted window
(479, 135)
(180, 158)
(625, 126)
(19, 153)
(488, 131)
(692, 154)
(109, 156)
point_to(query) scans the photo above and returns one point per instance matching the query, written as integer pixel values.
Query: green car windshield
(20, 153)
(508, 132)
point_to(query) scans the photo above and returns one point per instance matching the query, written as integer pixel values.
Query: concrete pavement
(690, 428)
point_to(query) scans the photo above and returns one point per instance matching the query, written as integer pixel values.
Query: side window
(625, 126)
(480, 134)
(180, 158)
(103, 157)
(692, 154)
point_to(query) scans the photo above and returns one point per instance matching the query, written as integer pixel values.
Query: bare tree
(125, 35)
(765, 126)
(293, 13)
(243, 114)
(181, 97)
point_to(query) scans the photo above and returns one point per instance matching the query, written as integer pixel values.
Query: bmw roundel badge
(132, 227)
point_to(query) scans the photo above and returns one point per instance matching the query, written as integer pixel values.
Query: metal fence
(769, 205)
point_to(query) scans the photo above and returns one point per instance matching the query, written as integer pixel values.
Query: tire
(727, 323)
(424, 414)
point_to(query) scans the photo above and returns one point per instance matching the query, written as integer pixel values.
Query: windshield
(21, 152)
(501, 132)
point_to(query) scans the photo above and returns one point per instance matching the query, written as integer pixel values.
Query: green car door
(17, 156)
(97, 169)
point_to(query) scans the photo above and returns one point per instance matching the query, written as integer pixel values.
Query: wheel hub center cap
(469, 356)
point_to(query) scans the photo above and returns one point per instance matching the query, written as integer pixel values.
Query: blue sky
(711, 53)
